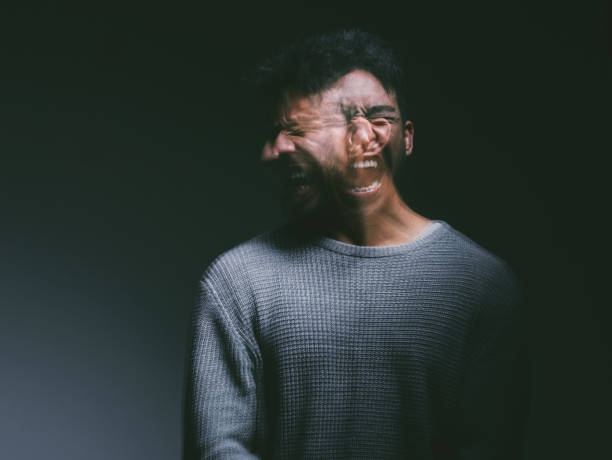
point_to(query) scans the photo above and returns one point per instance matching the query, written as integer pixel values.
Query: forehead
(357, 89)
(361, 88)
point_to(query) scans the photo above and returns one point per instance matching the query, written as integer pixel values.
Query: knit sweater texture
(309, 348)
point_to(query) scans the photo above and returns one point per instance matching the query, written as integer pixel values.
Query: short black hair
(314, 64)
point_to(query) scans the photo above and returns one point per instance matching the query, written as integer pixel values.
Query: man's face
(336, 149)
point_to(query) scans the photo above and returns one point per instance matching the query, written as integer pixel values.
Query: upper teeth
(365, 164)
(298, 175)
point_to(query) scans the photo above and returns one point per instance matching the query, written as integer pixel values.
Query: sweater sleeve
(495, 396)
(220, 409)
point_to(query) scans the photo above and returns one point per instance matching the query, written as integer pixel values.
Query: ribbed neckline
(430, 233)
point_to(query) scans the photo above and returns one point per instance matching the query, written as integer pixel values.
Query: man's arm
(221, 404)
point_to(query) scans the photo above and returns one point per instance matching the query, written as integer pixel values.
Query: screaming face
(336, 149)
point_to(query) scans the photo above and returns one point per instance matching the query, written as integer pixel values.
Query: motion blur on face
(336, 147)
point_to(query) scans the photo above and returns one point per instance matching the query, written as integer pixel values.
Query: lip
(367, 190)
(301, 189)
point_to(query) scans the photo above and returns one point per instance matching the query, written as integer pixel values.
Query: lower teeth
(368, 188)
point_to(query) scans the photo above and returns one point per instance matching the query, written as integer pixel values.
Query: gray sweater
(312, 348)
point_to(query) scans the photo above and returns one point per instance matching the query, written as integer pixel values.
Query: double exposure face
(336, 149)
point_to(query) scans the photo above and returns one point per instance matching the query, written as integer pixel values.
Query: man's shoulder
(479, 263)
(249, 257)
(467, 247)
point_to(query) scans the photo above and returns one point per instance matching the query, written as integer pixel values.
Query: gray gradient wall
(129, 162)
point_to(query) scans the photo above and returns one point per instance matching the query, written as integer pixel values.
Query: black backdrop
(129, 160)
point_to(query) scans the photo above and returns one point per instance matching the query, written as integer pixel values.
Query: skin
(330, 142)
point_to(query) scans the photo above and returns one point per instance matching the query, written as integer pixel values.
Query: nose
(273, 148)
(367, 138)
(362, 132)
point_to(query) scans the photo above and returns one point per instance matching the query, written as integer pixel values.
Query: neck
(390, 223)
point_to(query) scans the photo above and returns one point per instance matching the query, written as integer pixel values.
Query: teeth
(369, 188)
(298, 175)
(365, 164)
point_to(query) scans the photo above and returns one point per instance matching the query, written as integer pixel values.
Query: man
(361, 329)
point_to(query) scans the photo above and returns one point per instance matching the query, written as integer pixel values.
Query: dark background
(129, 160)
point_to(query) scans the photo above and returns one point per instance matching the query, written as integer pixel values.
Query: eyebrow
(378, 109)
(350, 110)
(286, 124)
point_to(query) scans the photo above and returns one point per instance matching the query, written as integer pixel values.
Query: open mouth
(299, 181)
(365, 176)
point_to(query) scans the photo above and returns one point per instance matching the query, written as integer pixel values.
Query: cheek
(396, 150)
(332, 148)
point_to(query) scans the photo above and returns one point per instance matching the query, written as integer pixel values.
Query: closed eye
(382, 112)
(290, 128)
(382, 121)
(296, 132)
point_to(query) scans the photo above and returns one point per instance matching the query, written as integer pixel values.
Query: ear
(409, 136)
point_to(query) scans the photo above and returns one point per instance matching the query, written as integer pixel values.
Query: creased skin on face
(364, 138)
(365, 143)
